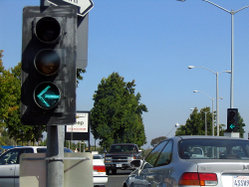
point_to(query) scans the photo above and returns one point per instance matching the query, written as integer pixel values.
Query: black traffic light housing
(48, 65)
(232, 120)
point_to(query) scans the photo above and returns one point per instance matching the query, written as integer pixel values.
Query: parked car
(120, 156)
(99, 171)
(10, 163)
(188, 161)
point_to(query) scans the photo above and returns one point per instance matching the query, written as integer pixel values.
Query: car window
(152, 157)
(41, 150)
(123, 148)
(214, 149)
(166, 155)
(97, 157)
(12, 156)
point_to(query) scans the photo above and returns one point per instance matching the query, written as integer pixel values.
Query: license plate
(240, 181)
(119, 165)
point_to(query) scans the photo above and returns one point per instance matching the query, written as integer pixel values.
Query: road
(117, 180)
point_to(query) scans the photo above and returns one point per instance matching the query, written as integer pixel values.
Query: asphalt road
(118, 179)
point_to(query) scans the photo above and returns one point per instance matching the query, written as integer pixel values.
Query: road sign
(79, 130)
(84, 5)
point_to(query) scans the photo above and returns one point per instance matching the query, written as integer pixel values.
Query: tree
(155, 141)
(10, 98)
(242, 125)
(195, 124)
(116, 116)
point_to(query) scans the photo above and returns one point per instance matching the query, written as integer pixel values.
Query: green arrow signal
(232, 126)
(44, 96)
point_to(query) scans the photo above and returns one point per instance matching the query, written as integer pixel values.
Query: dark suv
(120, 155)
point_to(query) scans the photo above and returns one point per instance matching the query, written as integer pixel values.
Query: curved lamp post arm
(234, 12)
(220, 7)
(201, 67)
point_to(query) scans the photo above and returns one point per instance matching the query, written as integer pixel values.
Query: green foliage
(195, 124)
(155, 141)
(10, 99)
(117, 113)
(242, 125)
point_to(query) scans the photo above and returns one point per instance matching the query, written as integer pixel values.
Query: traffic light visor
(47, 62)
(47, 29)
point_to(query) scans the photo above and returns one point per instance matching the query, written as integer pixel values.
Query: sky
(153, 42)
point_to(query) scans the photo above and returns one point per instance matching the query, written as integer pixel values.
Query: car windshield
(122, 148)
(214, 149)
(97, 157)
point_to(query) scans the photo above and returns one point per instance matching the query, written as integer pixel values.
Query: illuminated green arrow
(232, 126)
(43, 95)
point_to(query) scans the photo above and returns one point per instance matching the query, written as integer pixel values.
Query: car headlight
(131, 158)
(108, 159)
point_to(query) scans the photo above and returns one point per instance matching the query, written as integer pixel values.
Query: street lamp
(212, 99)
(232, 13)
(217, 91)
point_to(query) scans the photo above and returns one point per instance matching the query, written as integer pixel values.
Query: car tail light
(99, 168)
(198, 179)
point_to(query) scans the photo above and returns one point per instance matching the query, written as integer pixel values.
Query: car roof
(207, 137)
(124, 144)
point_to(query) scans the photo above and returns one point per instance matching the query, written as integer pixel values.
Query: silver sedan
(192, 161)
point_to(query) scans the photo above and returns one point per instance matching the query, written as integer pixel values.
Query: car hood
(120, 154)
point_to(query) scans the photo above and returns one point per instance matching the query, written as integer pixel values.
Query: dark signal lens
(47, 29)
(47, 62)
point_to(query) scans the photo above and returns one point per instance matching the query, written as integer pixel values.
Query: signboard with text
(84, 6)
(79, 130)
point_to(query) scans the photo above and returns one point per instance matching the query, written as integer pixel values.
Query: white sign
(81, 124)
(85, 5)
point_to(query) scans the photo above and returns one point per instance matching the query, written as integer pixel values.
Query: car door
(8, 164)
(144, 175)
(161, 173)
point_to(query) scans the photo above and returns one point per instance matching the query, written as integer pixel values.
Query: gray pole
(205, 123)
(55, 156)
(217, 104)
(232, 57)
(212, 116)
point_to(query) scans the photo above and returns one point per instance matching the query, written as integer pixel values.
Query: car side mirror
(135, 163)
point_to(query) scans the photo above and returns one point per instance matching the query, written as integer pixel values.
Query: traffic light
(232, 120)
(48, 65)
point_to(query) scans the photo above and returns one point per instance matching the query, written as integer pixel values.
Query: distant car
(10, 163)
(99, 171)
(188, 161)
(120, 155)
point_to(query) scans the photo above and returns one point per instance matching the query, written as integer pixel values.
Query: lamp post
(232, 13)
(217, 91)
(212, 99)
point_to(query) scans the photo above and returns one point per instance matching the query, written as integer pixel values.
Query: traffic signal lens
(48, 29)
(47, 95)
(47, 62)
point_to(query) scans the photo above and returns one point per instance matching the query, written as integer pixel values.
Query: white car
(99, 171)
(10, 163)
